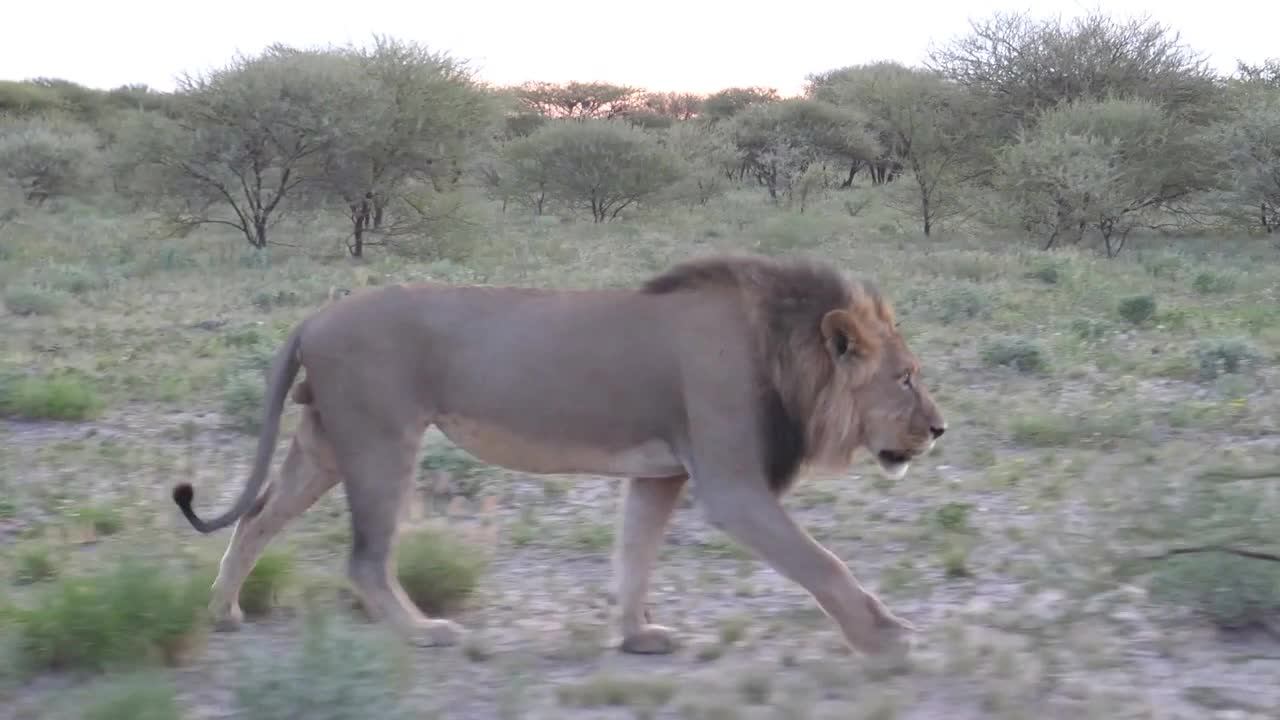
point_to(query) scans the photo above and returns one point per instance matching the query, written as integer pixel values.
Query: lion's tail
(284, 367)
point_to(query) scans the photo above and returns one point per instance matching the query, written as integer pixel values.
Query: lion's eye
(906, 380)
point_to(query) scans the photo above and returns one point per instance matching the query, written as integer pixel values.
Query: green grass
(49, 397)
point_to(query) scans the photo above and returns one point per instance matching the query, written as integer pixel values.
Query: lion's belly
(499, 445)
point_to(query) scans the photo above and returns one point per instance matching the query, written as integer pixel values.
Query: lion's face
(900, 420)
(895, 417)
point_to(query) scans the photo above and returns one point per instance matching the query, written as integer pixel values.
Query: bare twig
(1223, 474)
(1240, 552)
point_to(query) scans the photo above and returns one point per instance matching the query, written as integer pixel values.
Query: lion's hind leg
(308, 472)
(377, 461)
(646, 510)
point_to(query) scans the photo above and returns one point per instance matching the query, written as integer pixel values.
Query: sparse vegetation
(136, 696)
(339, 671)
(605, 690)
(33, 301)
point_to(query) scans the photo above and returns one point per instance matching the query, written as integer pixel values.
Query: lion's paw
(891, 653)
(437, 633)
(226, 619)
(650, 640)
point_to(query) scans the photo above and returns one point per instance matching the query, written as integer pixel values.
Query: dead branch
(1240, 552)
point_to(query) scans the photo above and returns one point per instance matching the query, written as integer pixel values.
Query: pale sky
(689, 45)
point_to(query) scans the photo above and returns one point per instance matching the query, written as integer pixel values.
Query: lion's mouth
(893, 457)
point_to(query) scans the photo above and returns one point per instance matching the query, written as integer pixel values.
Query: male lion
(736, 371)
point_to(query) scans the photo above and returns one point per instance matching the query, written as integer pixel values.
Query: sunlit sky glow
(691, 45)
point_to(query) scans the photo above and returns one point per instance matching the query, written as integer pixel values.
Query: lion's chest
(547, 452)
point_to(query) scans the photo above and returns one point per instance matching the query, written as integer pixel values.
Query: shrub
(337, 673)
(1137, 309)
(1022, 354)
(953, 516)
(131, 614)
(1047, 274)
(62, 396)
(959, 302)
(1234, 592)
(1223, 356)
(104, 520)
(269, 576)
(598, 165)
(1209, 283)
(438, 570)
(75, 279)
(1088, 328)
(34, 564)
(33, 301)
(48, 157)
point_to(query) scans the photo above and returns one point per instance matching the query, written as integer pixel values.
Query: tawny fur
(733, 371)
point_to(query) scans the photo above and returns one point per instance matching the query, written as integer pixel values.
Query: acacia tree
(239, 144)
(1024, 66)
(1251, 167)
(1103, 167)
(933, 127)
(599, 165)
(779, 141)
(710, 158)
(674, 105)
(580, 100)
(727, 103)
(48, 157)
(408, 137)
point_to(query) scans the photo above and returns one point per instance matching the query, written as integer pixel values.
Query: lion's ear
(846, 336)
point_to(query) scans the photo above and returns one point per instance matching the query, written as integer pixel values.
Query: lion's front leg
(755, 518)
(646, 509)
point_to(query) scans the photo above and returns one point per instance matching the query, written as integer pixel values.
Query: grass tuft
(1022, 354)
(62, 396)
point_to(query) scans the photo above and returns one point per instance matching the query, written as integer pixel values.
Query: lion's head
(837, 375)
(875, 382)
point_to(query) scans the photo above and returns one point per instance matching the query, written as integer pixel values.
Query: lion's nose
(937, 431)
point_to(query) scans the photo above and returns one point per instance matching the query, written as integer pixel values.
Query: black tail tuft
(183, 494)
